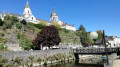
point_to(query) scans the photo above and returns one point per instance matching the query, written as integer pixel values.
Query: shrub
(25, 43)
(2, 46)
(18, 25)
(3, 40)
(18, 60)
(56, 24)
(39, 60)
(9, 21)
(41, 24)
(3, 61)
(23, 22)
(1, 22)
(2, 34)
(10, 64)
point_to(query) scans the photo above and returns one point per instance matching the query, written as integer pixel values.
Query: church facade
(29, 17)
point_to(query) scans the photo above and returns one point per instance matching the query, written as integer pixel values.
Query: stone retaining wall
(36, 53)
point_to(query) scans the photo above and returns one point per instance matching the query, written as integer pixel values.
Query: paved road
(116, 63)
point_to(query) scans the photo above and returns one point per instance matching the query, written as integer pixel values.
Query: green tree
(83, 35)
(81, 28)
(25, 43)
(55, 24)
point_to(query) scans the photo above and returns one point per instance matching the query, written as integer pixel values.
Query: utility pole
(106, 51)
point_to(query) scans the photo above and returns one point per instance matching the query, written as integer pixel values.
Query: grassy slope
(30, 32)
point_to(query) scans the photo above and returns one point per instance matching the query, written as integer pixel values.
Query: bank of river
(73, 64)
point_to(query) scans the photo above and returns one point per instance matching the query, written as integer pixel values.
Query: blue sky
(92, 14)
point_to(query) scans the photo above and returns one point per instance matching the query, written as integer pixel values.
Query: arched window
(28, 11)
(32, 18)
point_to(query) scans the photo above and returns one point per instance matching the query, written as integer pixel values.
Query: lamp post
(106, 51)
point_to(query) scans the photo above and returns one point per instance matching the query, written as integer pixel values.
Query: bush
(41, 24)
(1, 22)
(18, 25)
(2, 46)
(9, 21)
(18, 60)
(37, 30)
(3, 40)
(2, 34)
(25, 43)
(56, 24)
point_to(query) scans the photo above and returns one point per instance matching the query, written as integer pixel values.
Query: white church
(29, 17)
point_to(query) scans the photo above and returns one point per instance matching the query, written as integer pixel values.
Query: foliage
(84, 36)
(37, 30)
(1, 22)
(65, 30)
(31, 59)
(69, 37)
(55, 24)
(18, 60)
(25, 43)
(18, 35)
(2, 46)
(91, 42)
(9, 21)
(39, 60)
(18, 25)
(3, 40)
(10, 64)
(3, 60)
(99, 34)
(2, 34)
(41, 24)
(81, 28)
(48, 36)
(23, 22)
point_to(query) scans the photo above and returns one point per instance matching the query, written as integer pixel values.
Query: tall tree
(81, 28)
(84, 36)
(48, 36)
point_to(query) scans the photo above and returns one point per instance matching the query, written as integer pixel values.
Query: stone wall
(36, 53)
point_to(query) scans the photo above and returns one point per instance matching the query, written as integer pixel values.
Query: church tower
(28, 13)
(53, 16)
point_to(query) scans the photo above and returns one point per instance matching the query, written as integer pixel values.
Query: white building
(54, 17)
(114, 41)
(29, 17)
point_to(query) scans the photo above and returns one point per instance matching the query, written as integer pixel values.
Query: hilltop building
(29, 17)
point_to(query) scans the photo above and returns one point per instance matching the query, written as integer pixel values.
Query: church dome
(53, 13)
(27, 5)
